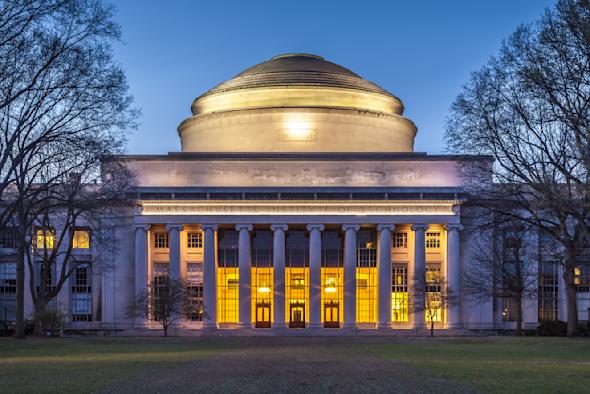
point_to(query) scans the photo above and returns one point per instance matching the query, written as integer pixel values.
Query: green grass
(273, 364)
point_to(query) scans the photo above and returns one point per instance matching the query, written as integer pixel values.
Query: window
(195, 240)
(297, 279)
(432, 240)
(81, 239)
(548, 290)
(161, 240)
(366, 278)
(7, 291)
(194, 278)
(433, 296)
(8, 238)
(399, 292)
(81, 305)
(45, 238)
(227, 277)
(582, 277)
(400, 240)
(509, 308)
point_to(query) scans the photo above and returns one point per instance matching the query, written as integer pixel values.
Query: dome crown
(297, 69)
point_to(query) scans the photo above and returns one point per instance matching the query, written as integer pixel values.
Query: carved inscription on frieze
(295, 208)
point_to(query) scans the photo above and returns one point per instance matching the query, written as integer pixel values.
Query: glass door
(331, 314)
(297, 315)
(263, 314)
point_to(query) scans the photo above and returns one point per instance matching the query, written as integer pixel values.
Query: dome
(297, 79)
(331, 109)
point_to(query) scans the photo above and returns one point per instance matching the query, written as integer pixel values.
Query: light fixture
(264, 290)
(330, 290)
(298, 130)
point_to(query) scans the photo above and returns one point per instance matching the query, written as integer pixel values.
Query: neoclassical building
(296, 205)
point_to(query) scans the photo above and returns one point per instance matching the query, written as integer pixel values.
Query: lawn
(291, 364)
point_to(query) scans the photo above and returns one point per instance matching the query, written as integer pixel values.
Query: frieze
(297, 208)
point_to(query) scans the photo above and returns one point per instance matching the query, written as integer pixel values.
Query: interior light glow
(264, 290)
(330, 290)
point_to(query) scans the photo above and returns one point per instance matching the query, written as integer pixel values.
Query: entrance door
(263, 314)
(331, 314)
(297, 314)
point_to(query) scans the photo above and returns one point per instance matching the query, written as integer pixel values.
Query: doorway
(297, 315)
(263, 314)
(331, 314)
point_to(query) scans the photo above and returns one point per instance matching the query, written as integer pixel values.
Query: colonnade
(384, 269)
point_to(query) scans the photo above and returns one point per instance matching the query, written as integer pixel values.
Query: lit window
(45, 238)
(194, 278)
(432, 240)
(161, 240)
(195, 240)
(399, 293)
(400, 240)
(81, 239)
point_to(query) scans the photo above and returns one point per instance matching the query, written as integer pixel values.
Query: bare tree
(64, 209)
(529, 108)
(61, 95)
(505, 268)
(163, 301)
(432, 296)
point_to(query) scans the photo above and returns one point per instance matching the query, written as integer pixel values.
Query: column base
(245, 325)
(349, 326)
(384, 326)
(314, 326)
(279, 326)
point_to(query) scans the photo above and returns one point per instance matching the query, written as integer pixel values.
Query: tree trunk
(19, 331)
(432, 327)
(165, 330)
(40, 307)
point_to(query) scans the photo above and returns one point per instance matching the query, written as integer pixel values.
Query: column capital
(177, 227)
(240, 227)
(387, 227)
(320, 227)
(419, 227)
(275, 227)
(144, 227)
(355, 227)
(213, 227)
(454, 227)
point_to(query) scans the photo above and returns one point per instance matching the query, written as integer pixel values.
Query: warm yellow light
(330, 290)
(264, 290)
(297, 130)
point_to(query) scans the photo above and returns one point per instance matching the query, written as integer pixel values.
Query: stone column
(315, 275)
(385, 274)
(454, 275)
(278, 264)
(141, 263)
(418, 285)
(174, 250)
(350, 231)
(245, 270)
(209, 276)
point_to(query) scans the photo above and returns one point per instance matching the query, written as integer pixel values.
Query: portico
(339, 263)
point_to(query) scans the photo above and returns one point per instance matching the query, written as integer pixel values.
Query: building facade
(296, 203)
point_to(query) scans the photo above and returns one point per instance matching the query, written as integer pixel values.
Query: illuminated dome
(297, 103)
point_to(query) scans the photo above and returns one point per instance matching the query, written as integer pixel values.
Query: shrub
(556, 328)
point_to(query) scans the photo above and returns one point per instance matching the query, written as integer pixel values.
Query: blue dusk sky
(421, 51)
